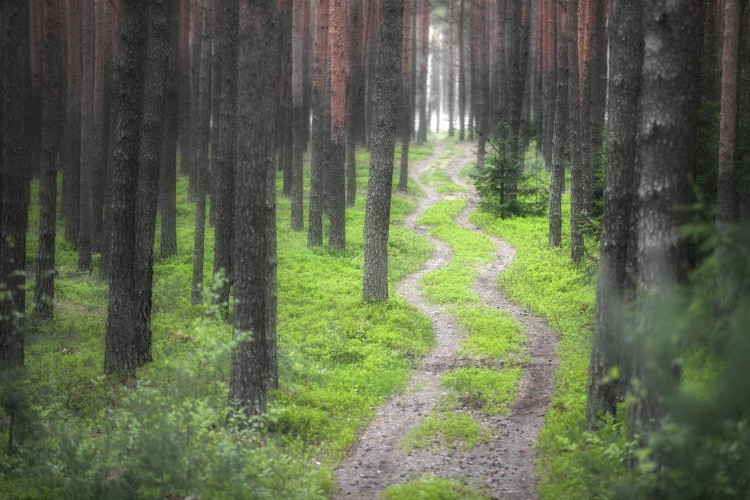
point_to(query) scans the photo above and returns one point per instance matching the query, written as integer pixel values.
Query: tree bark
(353, 102)
(422, 86)
(120, 355)
(71, 182)
(451, 70)
(226, 162)
(15, 74)
(461, 74)
(615, 284)
(406, 110)
(200, 160)
(337, 29)
(44, 292)
(100, 150)
(667, 133)
(85, 229)
(254, 359)
(560, 132)
(378, 205)
(321, 126)
(297, 220)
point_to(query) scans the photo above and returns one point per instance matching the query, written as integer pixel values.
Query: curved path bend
(503, 467)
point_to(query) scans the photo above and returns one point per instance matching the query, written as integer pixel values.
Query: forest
(399, 249)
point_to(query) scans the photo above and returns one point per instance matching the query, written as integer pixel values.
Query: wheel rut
(503, 467)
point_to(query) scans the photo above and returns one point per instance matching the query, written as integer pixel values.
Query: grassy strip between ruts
(174, 434)
(433, 488)
(545, 281)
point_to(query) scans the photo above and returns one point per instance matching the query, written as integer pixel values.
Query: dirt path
(504, 466)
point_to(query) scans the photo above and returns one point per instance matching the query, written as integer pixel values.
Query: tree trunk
(560, 132)
(352, 100)
(406, 85)
(321, 126)
(461, 74)
(120, 355)
(226, 162)
(200, 160)
(44, 292)
(71, 183)
(254, 359)
(297, 220)
(170, 135)
(614, 285)
(667, 133)
(422, 86)
(152, 125)
(15, 73)
(85, 228)
(337, 29)
(451, 70)
(378, 205)
(99, 172)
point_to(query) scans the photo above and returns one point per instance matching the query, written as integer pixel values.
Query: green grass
(339, 358)
(485, 389)
(433, 488)
(448, 430)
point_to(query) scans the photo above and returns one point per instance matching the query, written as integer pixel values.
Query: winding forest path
(502, 467)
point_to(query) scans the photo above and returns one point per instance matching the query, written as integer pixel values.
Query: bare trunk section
(321, 126)
(560, 132)
(353, 102)
(85, 228)
(295, 115)
(614, 284)
(379, 186)
(72, 169)
(120, 354)
(461, 74)
(338, 18)
(422, 87)
(406, 107)
(254, 371)
(44, 292)
(200, 160)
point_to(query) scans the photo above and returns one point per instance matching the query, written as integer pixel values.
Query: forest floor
(499, 459)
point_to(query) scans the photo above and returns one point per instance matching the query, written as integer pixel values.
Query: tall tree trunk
(298, 131)
(152, 125)
(15, 102)
(560, 133)
(120, 354)
(254, 359)
(85, 229)
(200, 160)
(378, 205)
(451, 70)
(422, 86)
(44, 292)
(353, 100)
(170, 135)
(99, 181)
(667, 133)
(461, 74)
(321, 126)
(614, 284)
(71, 184)
(337, 30)
(406, 85)
(226, 162)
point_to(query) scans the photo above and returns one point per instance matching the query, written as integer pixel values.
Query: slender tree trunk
(461, 74)
(200, 160)
(667, 133)
(170, 135)
(320, 127)
(152, 125)
(87, 140)
(352, 100)
(614, 285)
(406, 85)
(337, 30)
(254, 359)
(121, 351)
(226, 162)
(294, 101)
(71, 189)
(15, 106)
(560, 133)
(378, 205)
(44, 292)
(422, 87)
(451, 73)
(99, 181)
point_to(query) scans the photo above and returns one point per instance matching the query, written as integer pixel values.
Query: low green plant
(484, 388)
(430, 487)
(447, 429)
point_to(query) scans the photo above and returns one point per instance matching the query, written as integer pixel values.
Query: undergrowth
(430, 487)
(173, 435)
